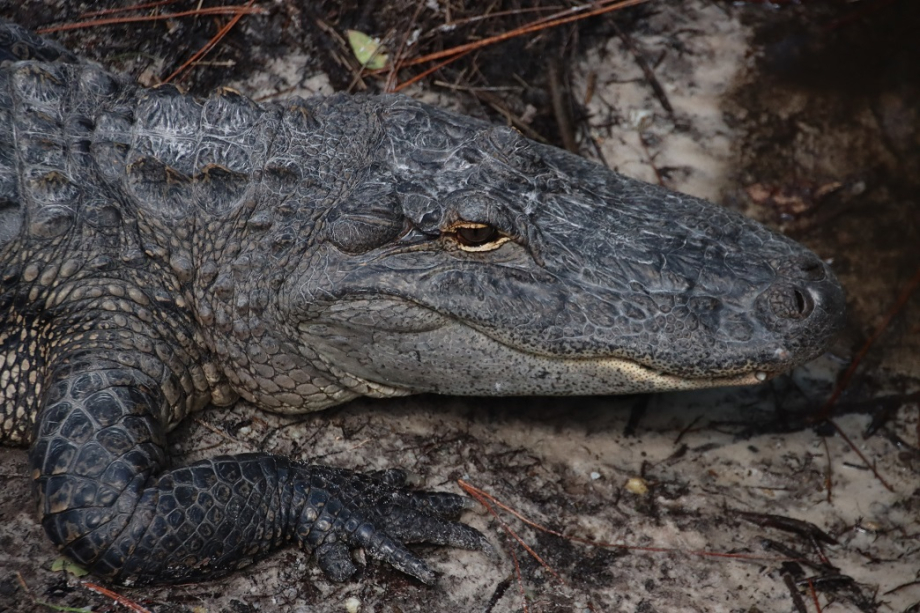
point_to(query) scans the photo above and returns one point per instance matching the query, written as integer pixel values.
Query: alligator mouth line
(625, 375)
(638, 377)
(598, 376)
(653, 379)
(589, 376)
(510, 370)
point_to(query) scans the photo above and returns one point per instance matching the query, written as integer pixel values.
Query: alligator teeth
(760, 376)
(781, 354)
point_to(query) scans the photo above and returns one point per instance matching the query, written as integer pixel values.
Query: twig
(483, 498)
(560, 108)
(824, 413)
(520, 580)
(869, 465)
(211, 43)
(125, 9)
(814, 595)
(794, 593)
(391, 76)
(845, 379)
(534, 26)
(481, 495)
(450, 25)
(217, 10)
(496, 103)
(343, 60)
(646, 70)
(651, 158)
(430, 70)
(122, 600)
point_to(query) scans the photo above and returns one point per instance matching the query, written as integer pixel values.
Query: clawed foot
(379, 513)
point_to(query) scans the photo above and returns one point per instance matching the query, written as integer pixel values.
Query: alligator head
(465, 259)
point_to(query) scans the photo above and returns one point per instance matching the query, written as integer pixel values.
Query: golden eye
(474, 236)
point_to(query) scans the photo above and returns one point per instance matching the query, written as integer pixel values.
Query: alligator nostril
(812, 269)
(791, 302)
(801, 302)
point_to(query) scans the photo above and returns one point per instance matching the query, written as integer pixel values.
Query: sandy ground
(747, 131)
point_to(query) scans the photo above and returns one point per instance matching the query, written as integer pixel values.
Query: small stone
(637, 485)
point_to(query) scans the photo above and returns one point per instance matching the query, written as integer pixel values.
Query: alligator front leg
(110, 502)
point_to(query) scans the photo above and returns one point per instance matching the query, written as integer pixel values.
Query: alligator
(160, 253)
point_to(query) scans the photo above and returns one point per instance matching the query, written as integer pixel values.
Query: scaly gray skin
(159, 253)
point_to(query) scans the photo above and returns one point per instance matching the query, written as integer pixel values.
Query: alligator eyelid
(412, 234)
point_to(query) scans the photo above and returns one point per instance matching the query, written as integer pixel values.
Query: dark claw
(441, 504)
(411, 527)
(376, 512)
(334, 560)
(396, 555)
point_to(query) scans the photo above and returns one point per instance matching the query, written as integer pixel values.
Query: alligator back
(17, 44)
(73, 244)
(74, 138)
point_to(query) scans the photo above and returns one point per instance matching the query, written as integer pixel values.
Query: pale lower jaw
(456, 359)
(641, 378)
(599, 376)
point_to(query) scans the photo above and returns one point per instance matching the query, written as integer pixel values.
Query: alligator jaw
(631, 378)
(637, 378)
(402, 364)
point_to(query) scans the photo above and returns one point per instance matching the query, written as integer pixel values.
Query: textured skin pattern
(159, 253)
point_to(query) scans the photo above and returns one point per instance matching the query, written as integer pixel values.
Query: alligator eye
(478, 236)
(473, 236)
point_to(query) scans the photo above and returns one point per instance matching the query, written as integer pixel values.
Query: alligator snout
(804, 300)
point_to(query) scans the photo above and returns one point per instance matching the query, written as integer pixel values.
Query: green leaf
(69, 566)
(368, 51)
